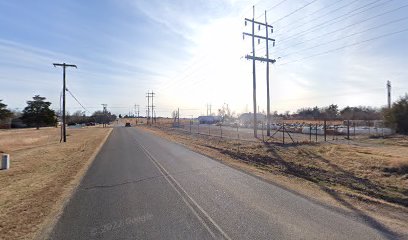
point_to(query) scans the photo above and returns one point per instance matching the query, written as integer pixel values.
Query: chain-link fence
(287, 131)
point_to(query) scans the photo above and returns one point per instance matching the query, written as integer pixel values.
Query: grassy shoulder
(370, 181)
(42, 175)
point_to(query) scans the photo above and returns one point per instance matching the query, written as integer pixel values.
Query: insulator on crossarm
(259, 41)
(259, 27)
(273, 44)
(243, 36)
(245, 23)
(271, 30)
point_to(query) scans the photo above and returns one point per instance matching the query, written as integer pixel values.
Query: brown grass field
(368, 179)
(42, 174)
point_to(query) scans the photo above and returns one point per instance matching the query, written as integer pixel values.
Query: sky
(192, 53)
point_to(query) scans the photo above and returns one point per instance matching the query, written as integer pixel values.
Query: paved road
(143, 187)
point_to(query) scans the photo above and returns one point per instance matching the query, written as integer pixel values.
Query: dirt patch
(41, 174)
(368, 182)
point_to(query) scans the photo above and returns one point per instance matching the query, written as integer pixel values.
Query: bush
(397, 116)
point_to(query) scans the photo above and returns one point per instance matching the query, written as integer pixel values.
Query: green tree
(397, 116)
(38, 113)
(4, 112)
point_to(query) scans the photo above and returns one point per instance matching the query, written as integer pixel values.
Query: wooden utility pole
(389, 93)
(178, 117)
(63, 65)
(254, 58)
(254, 73)
(137, 107)
(268, 106)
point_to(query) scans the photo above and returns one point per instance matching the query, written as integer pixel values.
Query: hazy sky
(190, 53)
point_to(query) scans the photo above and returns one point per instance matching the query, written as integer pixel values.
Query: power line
(274, 6)
(249, 8)
(291, 28)
(377, 26)
(339, 94)
(295, 11)
(313, 28)
(194, 67)
(346, 46)
(343, 37)
(77, 100)
(343, 28)
(175, 80)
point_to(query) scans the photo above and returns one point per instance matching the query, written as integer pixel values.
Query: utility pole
(104, 114)
(150, 95)
(137, 107)
(178, 117)
(389, 93)
(208, 109)
(148, 107)
(63, 65)
(134, 111)
(268, 106)
(254, 58)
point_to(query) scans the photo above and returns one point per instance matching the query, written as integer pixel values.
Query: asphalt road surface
(143, 187)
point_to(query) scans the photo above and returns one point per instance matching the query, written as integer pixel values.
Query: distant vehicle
(127, 124)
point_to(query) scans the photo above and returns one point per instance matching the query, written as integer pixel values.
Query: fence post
(354, 125)
(209, 129)
(310, 132)
(324, 130)
(316, 132)
(263, 138)
(198, 128)
(348, 129)
(382, 128)
(283, 135)
(221, 130)
(369, 128)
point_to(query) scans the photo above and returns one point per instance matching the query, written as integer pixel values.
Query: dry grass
(396, 140)
(368, 181)
(42, 171)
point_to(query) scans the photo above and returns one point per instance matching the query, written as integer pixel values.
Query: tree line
(38, 114)
(332, 112)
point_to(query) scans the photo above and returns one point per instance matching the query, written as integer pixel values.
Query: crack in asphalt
(146, 179)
